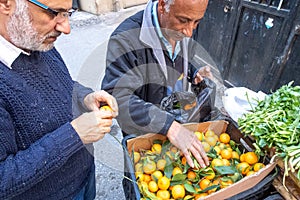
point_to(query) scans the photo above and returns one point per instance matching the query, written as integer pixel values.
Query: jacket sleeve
(126, 79)
(78, 95)
(22, 169)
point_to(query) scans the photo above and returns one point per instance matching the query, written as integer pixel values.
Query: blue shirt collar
(160, 35)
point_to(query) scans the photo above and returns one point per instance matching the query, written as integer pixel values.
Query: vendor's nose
(188, 29)
(64, 27)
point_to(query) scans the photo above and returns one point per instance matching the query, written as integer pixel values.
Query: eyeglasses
(60, 16)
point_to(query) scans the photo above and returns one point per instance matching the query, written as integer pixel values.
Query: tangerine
(209, 133)
(258, 166)
(235, 155)
(156, 148)
(243, 167)
(106, 108)
(178, 192)
(211, 140)
(163, 183)
(216, 162)
(199, 135)
(224, 138)
(204, 183)
(155, 176)
(161, 164)
(152, 186)
(226, 154)
(163, 194)
(206, 146)
(225, 183)
(176, 170)
(191, 175)
(149, 167)
(251, 158)
(147, 178)
(136, 157)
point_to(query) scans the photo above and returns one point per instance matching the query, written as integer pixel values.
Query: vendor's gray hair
(168, 3)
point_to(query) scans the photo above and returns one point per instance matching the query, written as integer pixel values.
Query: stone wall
(104, 6)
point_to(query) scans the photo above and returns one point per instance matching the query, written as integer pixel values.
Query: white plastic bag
(236, 103)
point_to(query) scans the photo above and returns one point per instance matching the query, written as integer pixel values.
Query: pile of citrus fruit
(163, 173)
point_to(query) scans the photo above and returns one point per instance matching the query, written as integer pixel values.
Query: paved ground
(84, 53)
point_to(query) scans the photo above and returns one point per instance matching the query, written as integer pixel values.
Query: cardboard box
(145, 142)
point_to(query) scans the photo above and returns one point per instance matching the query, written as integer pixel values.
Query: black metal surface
(246, 51)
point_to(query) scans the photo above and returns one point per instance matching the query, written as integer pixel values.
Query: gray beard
(21, 31)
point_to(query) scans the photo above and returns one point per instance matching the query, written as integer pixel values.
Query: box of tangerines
(156, 169)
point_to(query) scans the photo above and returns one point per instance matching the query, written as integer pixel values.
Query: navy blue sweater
(41, 155)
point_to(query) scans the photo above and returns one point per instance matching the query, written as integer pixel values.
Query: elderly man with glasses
(45, 150)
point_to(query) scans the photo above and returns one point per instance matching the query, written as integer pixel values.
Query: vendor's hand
(202, 73)
(94, 100)
(188, 143)
(92, 126)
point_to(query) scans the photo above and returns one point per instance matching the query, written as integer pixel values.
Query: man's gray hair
(168, 3)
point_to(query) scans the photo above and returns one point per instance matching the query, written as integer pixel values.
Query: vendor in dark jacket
(45, 151)
(148, 57)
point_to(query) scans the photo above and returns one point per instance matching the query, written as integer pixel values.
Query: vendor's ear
(161, 7)
(5, 6)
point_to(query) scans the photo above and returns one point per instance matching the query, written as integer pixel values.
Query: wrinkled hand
(188, 143)
(94, 100)
(202, 73)
(92, 126)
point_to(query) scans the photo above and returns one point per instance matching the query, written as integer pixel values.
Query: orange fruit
(163, 194)
(226, 154)
(199, 135)
(191, 175)
(225, 183)
(106, 108)
(198, 196)
(258, 166)
(211, 140)
(152, 186)
(222, 146)
(138, 167)
(156, 148)
(217, 149)
(209, 133)
(174, 149)
(243, 167)
(155, 176)
(147, 178)
(250, 173)
(178, 192)
(224, 138)
(176, 170)
(225, 162)
(149, 167)
(136, 157)
(235, 155)
(183, 160)
(216, 162)
(161, 163)
(206, 146)
(242, 157)
(204, 183)
(139, 176)
(251, 158)
(210, 174)
(163, 183)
